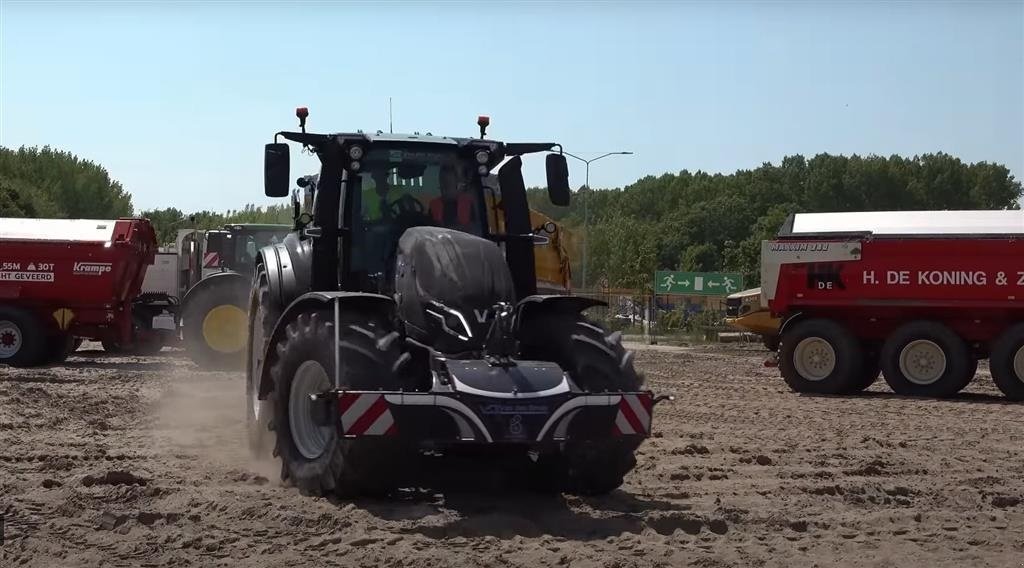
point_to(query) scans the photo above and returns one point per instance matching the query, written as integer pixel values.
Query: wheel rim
(1018, 364)
(224, 328)
(310, 439)
(814, 358)
(922, 362)
(10, 339)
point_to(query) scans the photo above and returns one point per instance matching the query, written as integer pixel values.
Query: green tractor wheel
(215, 327)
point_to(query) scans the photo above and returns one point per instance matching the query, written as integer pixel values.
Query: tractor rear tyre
(313, 456)
(821, 356)
(1007, 362)
(215, 327)
(596, 361)
(22, 339)
(925, 358)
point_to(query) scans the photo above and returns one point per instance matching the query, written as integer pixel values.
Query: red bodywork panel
(96, 280)
(974, 285)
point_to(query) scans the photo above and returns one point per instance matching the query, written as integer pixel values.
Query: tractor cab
(373, 187)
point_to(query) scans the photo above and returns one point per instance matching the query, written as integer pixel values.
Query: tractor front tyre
(263, 314)
(215, 327)
(314, 457)
(22, 339)
(597, 362)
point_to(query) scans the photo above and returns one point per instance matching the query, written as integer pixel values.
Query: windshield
(401, 188)
(248, 244)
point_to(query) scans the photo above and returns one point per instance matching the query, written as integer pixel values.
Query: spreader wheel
(1007, 362)
(22, 340)
(821, 356)
(925, 358)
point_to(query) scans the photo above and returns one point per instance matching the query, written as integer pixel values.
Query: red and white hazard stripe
(634, 415)
(365, 415)
(211, 260)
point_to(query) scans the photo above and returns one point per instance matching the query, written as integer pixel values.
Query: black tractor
(395, 322)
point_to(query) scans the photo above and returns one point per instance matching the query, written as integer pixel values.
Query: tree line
(697, 221)
(694, 221)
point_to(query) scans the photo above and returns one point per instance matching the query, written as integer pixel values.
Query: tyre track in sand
(142, 461)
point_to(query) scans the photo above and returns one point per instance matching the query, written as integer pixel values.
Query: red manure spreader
(62, 280)
(921, 296)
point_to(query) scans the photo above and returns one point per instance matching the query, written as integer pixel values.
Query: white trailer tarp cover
(77, 230)
(909, 223)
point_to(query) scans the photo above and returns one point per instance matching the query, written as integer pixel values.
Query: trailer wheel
(58, 348)
(1007, 362)
(22, 341)
(821, 356)
(925, 358)
(597, 361)
(313, 456)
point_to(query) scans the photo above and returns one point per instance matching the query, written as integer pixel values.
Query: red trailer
(62, 279)
(920, 296)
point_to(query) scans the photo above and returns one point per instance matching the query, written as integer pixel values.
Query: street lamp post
(583, 284)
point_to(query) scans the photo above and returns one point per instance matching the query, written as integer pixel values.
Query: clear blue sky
(177, 99)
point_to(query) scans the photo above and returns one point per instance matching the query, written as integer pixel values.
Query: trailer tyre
(597, 362)
(314, 457)
(22, 340)
(821, 356)
(1006, 362)
(59, 347)
(925, 358)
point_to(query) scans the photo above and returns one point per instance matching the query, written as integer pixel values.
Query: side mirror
(558, 179)
(275, 170)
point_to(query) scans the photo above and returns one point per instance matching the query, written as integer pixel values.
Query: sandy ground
(142, 462)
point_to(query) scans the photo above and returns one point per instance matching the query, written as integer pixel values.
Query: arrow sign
(698, 283)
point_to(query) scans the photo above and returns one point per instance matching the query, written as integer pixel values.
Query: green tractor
(401, 318)
(215, 270)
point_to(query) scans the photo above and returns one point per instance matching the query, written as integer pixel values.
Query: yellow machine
(745, 312)
(551, 259)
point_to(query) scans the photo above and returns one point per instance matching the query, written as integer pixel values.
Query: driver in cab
(378, 198)
(455, 207)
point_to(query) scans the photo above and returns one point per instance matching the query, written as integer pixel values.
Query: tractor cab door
(519, 252)
(190, 257)
(217, 252)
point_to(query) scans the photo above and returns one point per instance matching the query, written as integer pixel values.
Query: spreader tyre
(821, 356)
(925, 358)
(22, 340)
(58, 348)
(313, 456)
(1006, 362)
(597, 361)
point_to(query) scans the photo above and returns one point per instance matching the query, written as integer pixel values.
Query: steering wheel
(408, 206)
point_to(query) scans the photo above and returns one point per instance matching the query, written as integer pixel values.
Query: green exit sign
(697, 283)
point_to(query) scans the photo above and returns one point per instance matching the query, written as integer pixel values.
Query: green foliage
(169, 220)
(45, 182)
(700, 221)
